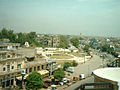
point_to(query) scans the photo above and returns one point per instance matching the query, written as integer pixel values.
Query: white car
(82, 76)
(64, 80)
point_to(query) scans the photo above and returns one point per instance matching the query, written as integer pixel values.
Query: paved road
(87, 69)
(89, 66)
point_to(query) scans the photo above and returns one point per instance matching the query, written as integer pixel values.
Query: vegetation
(75, 42)
(61, 56)
(63, 42)
(66, 65)
(74, 63)
(19, 37)
(8, 35)
(77, 54)
(108, 49)
(34, 81)
(86, 49)
(69, 64)
(59, 74)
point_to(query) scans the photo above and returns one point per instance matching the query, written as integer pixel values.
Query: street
(89, 66)
(86, 68)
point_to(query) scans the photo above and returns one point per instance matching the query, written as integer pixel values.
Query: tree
(74, 63)
(66, 65)
(34, 81)
(63, 42)
(86, 48)
(11, 36)
(4, 33)
(59, 74)
(75, 42)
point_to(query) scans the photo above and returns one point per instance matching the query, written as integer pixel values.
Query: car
(53, 87)
(82, 76)
(64, 80)
(45, 85)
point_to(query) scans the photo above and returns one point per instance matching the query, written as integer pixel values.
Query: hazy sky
(89, 17)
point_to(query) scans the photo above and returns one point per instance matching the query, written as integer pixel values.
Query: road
(86, 68)
(89, 66)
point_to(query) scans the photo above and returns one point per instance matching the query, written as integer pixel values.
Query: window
(46, 66)
(26, 70)
(38, 68)
(42, 66)
(34, 68)
(12, 67)
(19, 66)
(30, 69)
(4, 69)
(8, 67)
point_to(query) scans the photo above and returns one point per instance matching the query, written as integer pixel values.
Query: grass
(63, 61)
(61, 56)
(77, 54)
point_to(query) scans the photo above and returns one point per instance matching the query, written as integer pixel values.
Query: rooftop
(109, 73)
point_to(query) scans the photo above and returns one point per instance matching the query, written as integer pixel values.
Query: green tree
(59, 74)
(34, 81)
(66, 65)
(75, 42)
(21, 38)
(4, 33)
(11, 36)
(74, 63)
(63, 42)
(86, 48)
(104, 48)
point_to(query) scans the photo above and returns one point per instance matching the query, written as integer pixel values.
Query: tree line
(28, 37)
(19, 37)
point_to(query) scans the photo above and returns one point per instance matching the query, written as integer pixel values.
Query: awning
(42, 72)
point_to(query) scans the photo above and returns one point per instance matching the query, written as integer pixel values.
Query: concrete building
(49, 40)
(111, 75)
(12, 63)
(10, 66)
(9, 46)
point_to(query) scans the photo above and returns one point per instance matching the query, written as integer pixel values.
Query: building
(111, 75)
(4, 44)
(49, 40)
(10, 66)
(12, 63)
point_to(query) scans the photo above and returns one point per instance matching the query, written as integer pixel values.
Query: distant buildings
(4, 44)
(49, 40)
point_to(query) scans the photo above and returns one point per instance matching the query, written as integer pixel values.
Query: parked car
(53, 87)
(64, 80)
(81, 76)
(45, 85)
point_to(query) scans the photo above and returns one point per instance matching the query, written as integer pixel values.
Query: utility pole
(23, 72)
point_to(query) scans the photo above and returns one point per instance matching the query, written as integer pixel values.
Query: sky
(67, 17)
